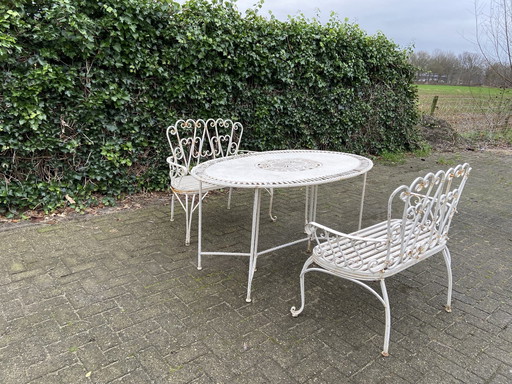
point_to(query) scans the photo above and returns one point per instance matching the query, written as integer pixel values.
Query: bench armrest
(176, 171)
(312, 228)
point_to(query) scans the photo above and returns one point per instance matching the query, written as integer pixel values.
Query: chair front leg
(297, 312)
(448, 261)
(387, 309)
(172, 206)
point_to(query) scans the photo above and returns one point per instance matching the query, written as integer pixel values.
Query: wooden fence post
(434, 104)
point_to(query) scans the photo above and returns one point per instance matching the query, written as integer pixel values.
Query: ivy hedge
(88, 88)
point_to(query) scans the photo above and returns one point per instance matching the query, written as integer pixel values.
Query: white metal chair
(191, 142)
(375, 253)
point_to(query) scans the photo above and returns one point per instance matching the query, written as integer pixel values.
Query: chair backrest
(193, 141)
(427, 207)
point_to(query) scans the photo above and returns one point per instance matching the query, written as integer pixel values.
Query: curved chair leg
(448, 261)
(387, 310)
(172, 206)
(297, 312)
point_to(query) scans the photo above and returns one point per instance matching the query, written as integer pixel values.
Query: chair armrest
(312, 228)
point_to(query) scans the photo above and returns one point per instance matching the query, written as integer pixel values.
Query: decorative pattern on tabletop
(289, 165)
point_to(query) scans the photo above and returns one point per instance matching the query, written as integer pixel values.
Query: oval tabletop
(279, 169)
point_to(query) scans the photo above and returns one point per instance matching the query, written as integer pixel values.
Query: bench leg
(172, 206)
(448, 261)
(297, 312)
(189, 212)
(387, 310)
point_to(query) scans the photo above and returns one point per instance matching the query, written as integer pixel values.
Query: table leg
(314, 203)
(362, 203)
(306, 214)
(254, 240)
(200, 225)
(311, 207)
(311, 203)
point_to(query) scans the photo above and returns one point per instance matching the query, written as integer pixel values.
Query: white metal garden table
(277, 169)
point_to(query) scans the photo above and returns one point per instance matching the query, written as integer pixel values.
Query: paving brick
(69, 344)
(12, 368)
(111, 372)
(74, 373)
(137, 376)
(485, 367)
(49, 366)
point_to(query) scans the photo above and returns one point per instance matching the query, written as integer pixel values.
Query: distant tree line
(491, 66)
(467, 68)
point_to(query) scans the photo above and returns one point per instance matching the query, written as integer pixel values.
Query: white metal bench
(375, 253)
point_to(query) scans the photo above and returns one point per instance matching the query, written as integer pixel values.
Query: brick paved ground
(118, 299)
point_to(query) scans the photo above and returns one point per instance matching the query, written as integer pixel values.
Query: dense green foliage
(88, 88)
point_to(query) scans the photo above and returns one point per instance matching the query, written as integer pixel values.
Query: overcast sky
(448, 25)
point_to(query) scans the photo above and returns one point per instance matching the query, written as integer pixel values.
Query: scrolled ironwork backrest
(224, 137)
(193, 141)
(429, 205)
(186, 138)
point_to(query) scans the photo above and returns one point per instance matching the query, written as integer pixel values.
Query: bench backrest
(427, 207)
(194, 141)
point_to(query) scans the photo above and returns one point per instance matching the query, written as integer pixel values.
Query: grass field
(469, 110)
(463, 91)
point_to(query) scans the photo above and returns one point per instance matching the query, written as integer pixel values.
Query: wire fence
(470, 114)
